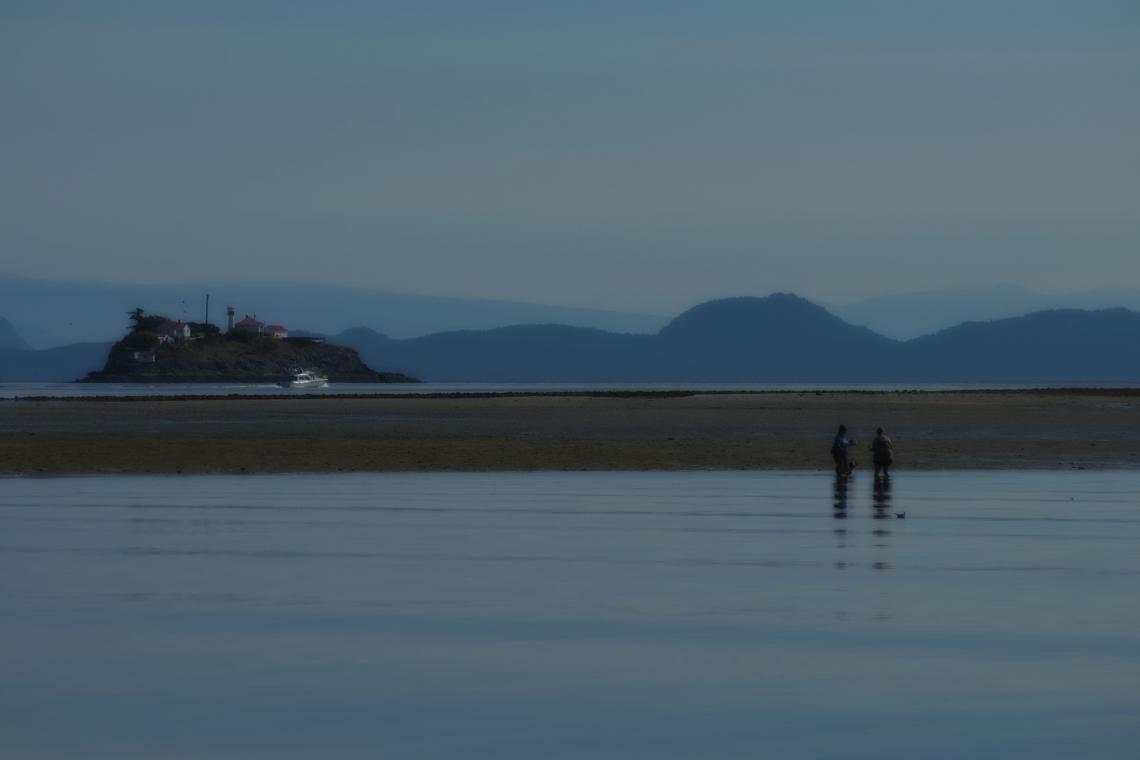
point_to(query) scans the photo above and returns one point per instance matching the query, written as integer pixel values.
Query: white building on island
(173, 331)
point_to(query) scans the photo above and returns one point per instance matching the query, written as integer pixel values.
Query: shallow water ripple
(711, 614)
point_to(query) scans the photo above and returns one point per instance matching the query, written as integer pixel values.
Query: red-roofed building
(250, 324)
(172, 331)
(275, 331)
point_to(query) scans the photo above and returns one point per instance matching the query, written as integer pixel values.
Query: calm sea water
(617, 615)
(72, 390)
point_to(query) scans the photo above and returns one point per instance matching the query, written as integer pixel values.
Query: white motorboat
(303, 378)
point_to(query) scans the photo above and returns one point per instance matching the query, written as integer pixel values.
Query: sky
(640, 156)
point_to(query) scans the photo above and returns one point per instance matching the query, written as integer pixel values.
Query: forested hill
(778, 339)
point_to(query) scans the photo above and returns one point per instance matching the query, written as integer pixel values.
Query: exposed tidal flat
(618, 614)
(586, 430)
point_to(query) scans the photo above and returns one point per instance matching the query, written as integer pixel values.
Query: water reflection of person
(840, 496)
(839, 501)
(881, 501)
(881, 497)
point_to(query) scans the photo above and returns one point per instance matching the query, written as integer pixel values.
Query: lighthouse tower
(229, 318)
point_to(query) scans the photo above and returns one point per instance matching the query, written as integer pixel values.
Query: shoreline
(615, 393)
(1070, 428)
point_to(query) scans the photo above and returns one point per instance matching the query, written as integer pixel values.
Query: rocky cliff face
(254, 360)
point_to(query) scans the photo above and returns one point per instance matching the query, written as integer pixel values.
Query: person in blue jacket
(843, 464)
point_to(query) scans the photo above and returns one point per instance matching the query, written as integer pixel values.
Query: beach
(1044, 429)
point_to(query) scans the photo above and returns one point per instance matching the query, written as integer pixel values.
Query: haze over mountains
(52, 365)
(10, 340)
(50, 313)
(908, 315)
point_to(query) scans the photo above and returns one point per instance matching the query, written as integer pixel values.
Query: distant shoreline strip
(663, 394)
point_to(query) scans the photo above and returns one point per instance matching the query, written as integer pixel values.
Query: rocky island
(161, 350)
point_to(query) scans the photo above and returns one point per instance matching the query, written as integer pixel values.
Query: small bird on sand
(900, 515)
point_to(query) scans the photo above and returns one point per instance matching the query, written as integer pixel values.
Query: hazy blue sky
(634, 155)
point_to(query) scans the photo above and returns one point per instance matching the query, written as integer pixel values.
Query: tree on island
(142, 322)
(145, 328)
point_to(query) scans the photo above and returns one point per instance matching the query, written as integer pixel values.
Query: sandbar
(1024, 429)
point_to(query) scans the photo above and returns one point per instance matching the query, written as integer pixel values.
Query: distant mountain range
(908, 315)
(52, 365)
(776, 339)
(10, 340)
(48, 313)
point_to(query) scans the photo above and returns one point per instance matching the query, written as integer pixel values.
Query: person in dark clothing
(882, 453)
(843, 465)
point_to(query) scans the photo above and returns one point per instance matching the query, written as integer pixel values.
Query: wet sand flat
(621, 431)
